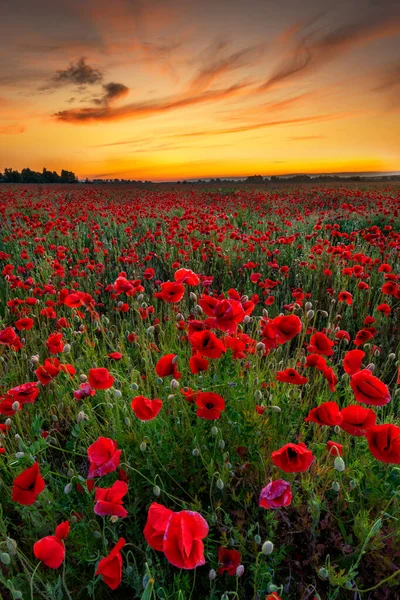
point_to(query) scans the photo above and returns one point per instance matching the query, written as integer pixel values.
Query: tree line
(29, 176)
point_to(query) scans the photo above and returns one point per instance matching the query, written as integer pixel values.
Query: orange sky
(154, 89)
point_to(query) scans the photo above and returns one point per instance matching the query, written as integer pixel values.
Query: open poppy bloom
(186, 276)
(146, 409)
(210, 405)
(327, 413)
(293, 458)
(352, 361)
(198, 364)
(100, 379)
(48, 371)
(183, 539)
(157, 521)
(369, 389)
(171, 292)
(291, 376)
(9, 338)
(110, 567)
(55, 343)
(276, 494)
(207, 344)
(26, 392)
(50, 549)
(321, 344)
(357, 419)
(109, 500)
(27, 486)
(229, 560)
(104, 457)
(384, 442)
(227, 315)
(168, 365)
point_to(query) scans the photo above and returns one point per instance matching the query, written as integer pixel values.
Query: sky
(174, 89)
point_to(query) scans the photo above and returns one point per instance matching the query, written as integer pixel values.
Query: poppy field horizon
(200, 392)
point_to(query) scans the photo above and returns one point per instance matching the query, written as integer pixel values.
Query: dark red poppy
(210, 405)
(369, 389)
(291, 376)
(207, 344)
(276, 494)
(28, 485)
(171, 292)
(55, 343)
(110, 567)
(183, 539)
(9, 338)
(109, 500)
(293, 458)
(229, 561)
(26, 392)
(168, 365)
(384, 442)
(100, 378)
(327, 413)
(198, 364)
(228, 314)
(356, 419)
(104, 457)
(48, 371)
(24, 324)
(146, 409)
(321, 344)
(352, 361)
(157, 521)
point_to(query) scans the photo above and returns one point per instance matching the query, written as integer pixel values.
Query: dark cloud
(143, 109)
(79, 73)
(112, 91)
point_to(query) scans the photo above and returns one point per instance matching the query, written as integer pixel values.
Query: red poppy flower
(207, 344)
(9, 338)
(186, 276)
(198, 364)
(104, 457)
(50, 549)
(171, 292)
(190, 395)
(327, 413)
(24, 324)
(293, 458)
(352, 361)
(110, 567)
(55, 343)
(48, 371)
(345, 297)
(208, 304)
(384, 442)
(357, 419)
(115, 355)
(382, 308)
(291, 376)
(210, 405)
(146, 409)
(229, 561)
(168, 365)
(183, 539)
(334, 448)
(369, 389)
(27, 392)
(363, 336)
(74, 300)
(228, 314)
(276, 494)
(283, 329)
(109, 500)
(321, 344)
(100, 379)
(157, 521)
(273, 596)
(27, 486)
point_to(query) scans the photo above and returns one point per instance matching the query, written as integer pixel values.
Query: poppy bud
(127, 422)
(135, 386)
(70, 472)
(143, 446)
(106, 319)
(175, 359)
(174, 384)
(80, 417)
(150, 330)
(212, 575)
(310, 314)
(193, 297)
(15, 405)
(276, 409)
(35, 360)
(114, 519)
(67, 348)
(198, 309)
(129, 570)
(140, 297)
(267, 548)
(8, 422)
(265, 313)
(144, 305)
(324, 313)
(392, 356)
(68, 488)
(246, 319)
(17, 594)
(353, 484)
(339, 464)
(214, 430)
(258, 395)
(225, 596)
(117, 393)
(83, 378)
(371, 367)
(239, 571)
(11, 546)
(171, 397)
(60, 406)
(335, 486)
(97, 535)
(221, 444)
(272, 588)
(110, 405)
(196, 452)
(156, 490)
(323, 573)
(5, 558)
(220, 484)
(179, 317)
(308, 305)
(257, 539)
(336, 429)
(260, 347)
(19, 455)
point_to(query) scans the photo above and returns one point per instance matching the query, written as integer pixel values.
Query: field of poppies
(200, 392)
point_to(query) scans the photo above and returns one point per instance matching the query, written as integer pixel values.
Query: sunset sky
(153, 89)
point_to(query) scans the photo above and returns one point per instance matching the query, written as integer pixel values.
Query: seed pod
(267, 548)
